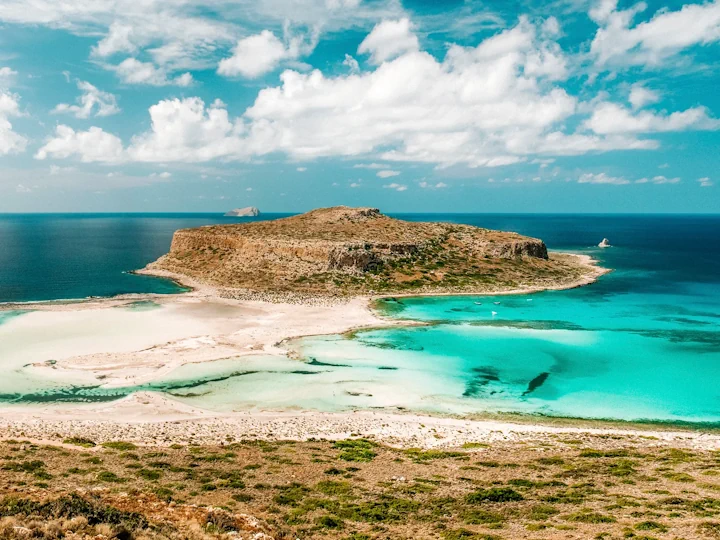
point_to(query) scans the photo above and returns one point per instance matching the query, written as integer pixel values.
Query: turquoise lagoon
(643, 343)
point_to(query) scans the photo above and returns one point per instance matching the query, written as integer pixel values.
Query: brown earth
(581, 486)
(350, 251)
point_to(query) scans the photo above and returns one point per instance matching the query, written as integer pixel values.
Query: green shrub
(497, 495)
(356, 450)
(119, 445)
(80, 441)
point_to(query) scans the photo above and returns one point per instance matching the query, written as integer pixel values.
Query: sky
(405, 105)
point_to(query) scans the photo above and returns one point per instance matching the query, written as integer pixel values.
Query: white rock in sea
(249, 211)
(605, 243)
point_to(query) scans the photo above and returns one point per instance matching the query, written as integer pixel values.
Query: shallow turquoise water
(641, 344)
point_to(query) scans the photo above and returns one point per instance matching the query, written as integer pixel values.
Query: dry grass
(602, 487)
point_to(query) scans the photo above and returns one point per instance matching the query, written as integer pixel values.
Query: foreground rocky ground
(564, 487)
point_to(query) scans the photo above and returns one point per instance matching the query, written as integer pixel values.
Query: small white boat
(493, 313)
(478, 303)
(529, 299)
(496, 303)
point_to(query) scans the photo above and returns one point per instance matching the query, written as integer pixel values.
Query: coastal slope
(344, 251)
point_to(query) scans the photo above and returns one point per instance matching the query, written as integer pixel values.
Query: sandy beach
(131, 340)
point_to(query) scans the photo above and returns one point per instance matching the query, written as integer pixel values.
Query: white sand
(148, 418)
(118, 346)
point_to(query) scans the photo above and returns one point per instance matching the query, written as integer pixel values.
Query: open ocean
(641, 344)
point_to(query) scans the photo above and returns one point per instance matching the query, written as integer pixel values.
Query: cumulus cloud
(602, 178)
(705, 182)
(187, 130)
(10, 141)
(91, 101)
(388, 40)
(133, 71)
(641, 96)
(387, 174)
(608, 118)
(259, 54)
(93, 145)
(493, 104)
(619, 42)
(351, 64)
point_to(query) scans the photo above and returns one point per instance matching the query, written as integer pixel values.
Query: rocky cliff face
(352, 250)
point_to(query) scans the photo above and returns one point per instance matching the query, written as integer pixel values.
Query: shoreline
(174, 422)
(280, 323)
(203, 290)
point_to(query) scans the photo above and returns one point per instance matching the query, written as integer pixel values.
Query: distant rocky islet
(248, 211)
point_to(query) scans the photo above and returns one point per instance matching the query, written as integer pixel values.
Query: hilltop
(344, 251)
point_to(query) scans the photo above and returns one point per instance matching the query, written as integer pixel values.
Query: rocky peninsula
(342, 251)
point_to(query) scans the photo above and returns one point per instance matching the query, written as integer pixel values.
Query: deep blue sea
(643, 343)
(69, 256)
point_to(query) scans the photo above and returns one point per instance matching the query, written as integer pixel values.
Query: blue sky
(415, 105)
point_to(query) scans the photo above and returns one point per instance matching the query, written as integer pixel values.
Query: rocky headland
(344, 251)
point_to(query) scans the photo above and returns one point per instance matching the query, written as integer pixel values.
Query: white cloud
(352, 64)
(387, 174)
(388, 40)
(396, 187)
(10, 141)
(20, 188)
(494, 104)
(7, 76)
(163, 175)
(705, 182)
(93, 145)
(133, 71)
(92, 100)
(641, 96)
(427, 185)
(369, 166)
(658, 180)
(618, 42)
(259, 54)
(601, 178)
(186, 130)
(608, 118)
(56, 170)
(301, 169)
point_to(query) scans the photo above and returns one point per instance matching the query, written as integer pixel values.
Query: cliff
(248, 211)
(342, 251)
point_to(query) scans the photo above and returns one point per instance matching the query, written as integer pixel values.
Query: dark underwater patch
(316, 362)
(704, 339)
(97, 394)
(481, 377)
(529, 325)
(536, 383)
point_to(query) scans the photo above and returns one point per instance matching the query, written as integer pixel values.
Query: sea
(641, 344)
